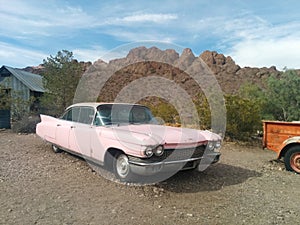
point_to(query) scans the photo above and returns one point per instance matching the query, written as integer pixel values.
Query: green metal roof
(33, 81)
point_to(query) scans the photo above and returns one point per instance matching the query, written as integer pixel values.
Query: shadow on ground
(214, 178)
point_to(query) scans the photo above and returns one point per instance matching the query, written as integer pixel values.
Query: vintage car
(127, 139)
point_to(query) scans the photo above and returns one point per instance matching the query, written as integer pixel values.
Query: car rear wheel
(56, 149)
(292, 159)
(122, 168)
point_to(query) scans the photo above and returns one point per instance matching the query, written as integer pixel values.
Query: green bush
(163, 110)
(243, 117)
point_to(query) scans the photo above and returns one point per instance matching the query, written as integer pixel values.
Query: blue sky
(254, 33)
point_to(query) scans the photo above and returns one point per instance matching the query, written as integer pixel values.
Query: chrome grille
(174, 155)
(180, 154)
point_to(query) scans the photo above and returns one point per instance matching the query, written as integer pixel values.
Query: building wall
(19, 89)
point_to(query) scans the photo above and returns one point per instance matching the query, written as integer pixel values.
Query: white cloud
(155, 18)
(260, 53)
(20, 57)
(252, 41)
(91, 54)
(41, 18)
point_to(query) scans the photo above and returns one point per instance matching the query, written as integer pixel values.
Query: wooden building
(20, 84)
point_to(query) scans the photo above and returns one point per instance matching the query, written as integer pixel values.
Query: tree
(284, 96)
(61, 77)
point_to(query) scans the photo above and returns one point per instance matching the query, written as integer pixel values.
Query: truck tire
(292, 159)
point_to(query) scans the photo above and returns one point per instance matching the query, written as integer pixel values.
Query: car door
(80, 133)
(63, 127)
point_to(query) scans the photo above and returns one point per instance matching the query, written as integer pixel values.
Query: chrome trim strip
(164, 162)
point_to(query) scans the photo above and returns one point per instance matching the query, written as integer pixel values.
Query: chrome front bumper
(150, 168)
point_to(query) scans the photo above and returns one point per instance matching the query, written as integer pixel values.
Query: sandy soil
(38, 186)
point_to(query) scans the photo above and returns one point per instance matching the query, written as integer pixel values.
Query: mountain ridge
(229, 75)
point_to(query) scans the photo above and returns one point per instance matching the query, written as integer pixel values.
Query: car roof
(96, 104)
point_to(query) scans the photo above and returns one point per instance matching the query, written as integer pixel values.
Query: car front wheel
(122, 168)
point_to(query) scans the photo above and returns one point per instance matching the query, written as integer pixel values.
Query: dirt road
(40, 187)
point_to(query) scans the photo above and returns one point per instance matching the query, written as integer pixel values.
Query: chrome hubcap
(122, 166)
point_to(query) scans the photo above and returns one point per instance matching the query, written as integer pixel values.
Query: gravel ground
(245, 187)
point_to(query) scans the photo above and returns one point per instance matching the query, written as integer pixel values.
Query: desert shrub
(163, 110)
(203, 110)
(243, 117)
(280, 97)
(26, 125)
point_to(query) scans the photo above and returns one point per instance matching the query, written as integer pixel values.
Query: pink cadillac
(127, 139)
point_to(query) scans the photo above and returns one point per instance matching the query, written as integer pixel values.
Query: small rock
(157, 190)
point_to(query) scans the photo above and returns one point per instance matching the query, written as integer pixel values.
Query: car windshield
(110, 114)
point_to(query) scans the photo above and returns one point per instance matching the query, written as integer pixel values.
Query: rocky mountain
(231, 76)
(143, 62)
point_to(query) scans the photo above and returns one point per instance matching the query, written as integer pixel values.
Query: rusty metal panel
(277, 132)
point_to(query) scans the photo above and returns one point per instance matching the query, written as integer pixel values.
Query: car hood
(157, 134)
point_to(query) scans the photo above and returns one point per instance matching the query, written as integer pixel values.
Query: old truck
(284, 139)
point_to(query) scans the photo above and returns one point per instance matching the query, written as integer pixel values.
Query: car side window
(67, 115)
(71, 115)
(86, 115)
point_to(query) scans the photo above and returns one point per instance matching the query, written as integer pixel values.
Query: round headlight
(159, 150)
(210, 145)
(149, 152)
(218, 144)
